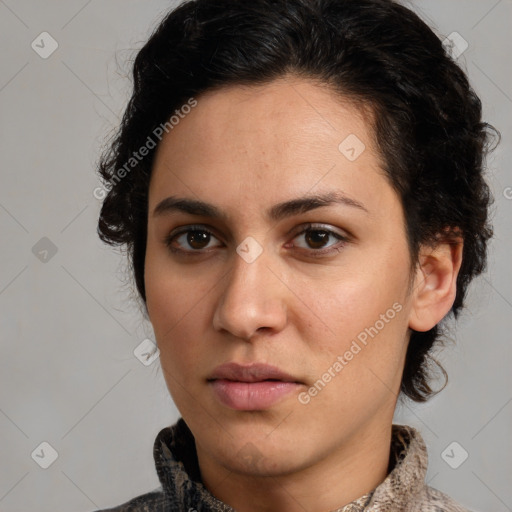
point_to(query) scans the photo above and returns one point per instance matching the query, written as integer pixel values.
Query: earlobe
(435, 285)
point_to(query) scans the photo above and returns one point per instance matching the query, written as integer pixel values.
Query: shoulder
(437, 501)
(154, 501)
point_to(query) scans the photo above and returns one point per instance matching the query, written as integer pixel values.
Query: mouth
(251, 387)
(255, 372)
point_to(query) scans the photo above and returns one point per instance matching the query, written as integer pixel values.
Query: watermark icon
(454, 455)
(249, 250)
(139, 155)
(44, 250)
(355, 347)
(352, 147)
(146, 352)
(45, 455)
(44, 45)
(507, 192)
(455, 45)
(251, 456)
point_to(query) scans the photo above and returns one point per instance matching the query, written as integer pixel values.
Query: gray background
(69, 327)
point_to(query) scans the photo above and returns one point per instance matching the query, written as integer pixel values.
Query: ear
(435, 284)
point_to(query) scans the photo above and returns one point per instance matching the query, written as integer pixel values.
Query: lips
(255, 372)
(251, 388)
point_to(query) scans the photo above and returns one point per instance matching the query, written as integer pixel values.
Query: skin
(245, 149)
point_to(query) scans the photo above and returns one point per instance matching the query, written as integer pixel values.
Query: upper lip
(255, 372)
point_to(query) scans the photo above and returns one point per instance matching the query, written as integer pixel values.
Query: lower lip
(251, 396)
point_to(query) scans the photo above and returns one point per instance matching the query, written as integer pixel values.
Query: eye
(196, 237)
(199, 240)
(317, 237)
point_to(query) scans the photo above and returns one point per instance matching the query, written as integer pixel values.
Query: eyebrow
(275, 213)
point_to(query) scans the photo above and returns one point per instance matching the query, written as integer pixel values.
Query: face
(317, 289)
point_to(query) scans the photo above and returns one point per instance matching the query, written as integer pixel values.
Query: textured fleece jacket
(403, 490)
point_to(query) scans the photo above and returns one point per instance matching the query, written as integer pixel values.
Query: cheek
(176, 308)
(171, 293)
(355, 368)
(340, 310)
(177, 313)
(361, 317)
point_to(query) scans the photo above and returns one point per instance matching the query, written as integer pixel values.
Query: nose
(253, 299)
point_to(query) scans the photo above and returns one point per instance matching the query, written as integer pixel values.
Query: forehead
(290, 135)
(299, 108)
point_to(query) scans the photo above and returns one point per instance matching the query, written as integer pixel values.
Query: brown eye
(316, 239)
(198, 239)
(190, 240)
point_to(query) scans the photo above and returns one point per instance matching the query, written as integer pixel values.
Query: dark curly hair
(427, 120)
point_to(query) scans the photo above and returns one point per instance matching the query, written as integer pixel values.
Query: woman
(300, 187)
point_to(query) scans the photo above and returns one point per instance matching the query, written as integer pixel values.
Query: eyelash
(169, 239)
